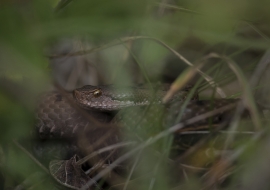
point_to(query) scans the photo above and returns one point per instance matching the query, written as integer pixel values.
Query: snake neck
(112, 98)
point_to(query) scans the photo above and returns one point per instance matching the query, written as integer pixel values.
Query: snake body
(60, 115)
(64, 115)
(58, 118)
(82, 120)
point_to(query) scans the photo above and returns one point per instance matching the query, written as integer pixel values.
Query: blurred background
(74, 43)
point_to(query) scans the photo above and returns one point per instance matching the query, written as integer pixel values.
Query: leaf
(68, 173)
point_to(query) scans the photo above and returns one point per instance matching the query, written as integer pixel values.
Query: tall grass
(219, 46)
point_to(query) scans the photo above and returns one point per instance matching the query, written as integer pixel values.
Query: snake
(101, 113)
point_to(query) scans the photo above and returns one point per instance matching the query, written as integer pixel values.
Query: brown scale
(63, 116)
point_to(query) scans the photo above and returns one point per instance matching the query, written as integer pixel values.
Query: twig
(154, 139)
(30, 156)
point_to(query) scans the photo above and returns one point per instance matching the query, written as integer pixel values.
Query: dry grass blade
(62, 4)
(222, 165)
(30, 156)
(105, 149)
(169, 6)
(154, 139)
(248, 99)
(181, 81)
(205, 76)
(126, 39)
(132, 170)
(77, 43)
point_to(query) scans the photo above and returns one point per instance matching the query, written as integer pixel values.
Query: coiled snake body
(85, 112)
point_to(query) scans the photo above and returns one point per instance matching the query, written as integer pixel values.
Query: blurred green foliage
(29, 29)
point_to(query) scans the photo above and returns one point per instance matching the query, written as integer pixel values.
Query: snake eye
(97, 93)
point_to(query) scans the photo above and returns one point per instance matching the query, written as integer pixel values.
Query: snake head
(102, 98)
(89, 97)
(111, 98)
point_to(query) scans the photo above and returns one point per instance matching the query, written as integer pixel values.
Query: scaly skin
(58, 118)
(66, 117)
